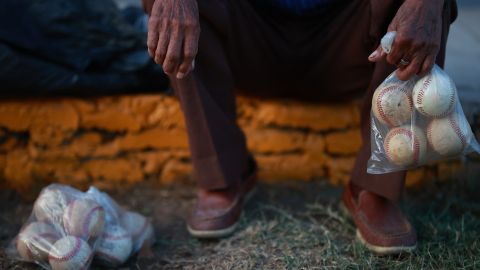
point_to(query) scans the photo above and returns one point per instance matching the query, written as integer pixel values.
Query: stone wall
(120, 140)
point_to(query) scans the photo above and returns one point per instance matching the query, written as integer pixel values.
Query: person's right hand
(173, 33)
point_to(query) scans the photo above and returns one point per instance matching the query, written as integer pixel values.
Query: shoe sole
(212, 234)
(379, 250)
(204, 234)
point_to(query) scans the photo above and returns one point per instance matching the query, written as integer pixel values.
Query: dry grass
(300, 226)
(318, 236)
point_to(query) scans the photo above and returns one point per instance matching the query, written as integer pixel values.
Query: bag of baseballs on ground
(62, 231)
(416, 122)
(68, 229)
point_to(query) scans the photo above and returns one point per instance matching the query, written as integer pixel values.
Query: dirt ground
(293, 225)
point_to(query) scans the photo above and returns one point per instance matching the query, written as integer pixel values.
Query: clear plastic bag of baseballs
(62, 231)
(68, 229)
(416, 122)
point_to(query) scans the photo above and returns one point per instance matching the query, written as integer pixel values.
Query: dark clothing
(295, 6)
(73, 47)
(319, 58)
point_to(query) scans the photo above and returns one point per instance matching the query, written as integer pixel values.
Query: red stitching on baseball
(452, 101)
(425, 84)
(379, 103)
(457, 130)
(88, 219)
(409, 134)
(420, 97)
(69, 255)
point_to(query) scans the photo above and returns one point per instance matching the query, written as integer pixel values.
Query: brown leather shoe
(217, 212)
(381, 226)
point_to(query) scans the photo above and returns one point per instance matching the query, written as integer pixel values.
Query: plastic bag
(137, 226)
(68, 229)
(417, 121)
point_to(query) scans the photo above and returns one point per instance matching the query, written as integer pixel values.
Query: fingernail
(373, 55)
(180, 75)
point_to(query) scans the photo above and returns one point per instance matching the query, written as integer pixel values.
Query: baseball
(70, 253)
(34, 242)
(114, 247)
(392, 104)
(139, 228)
(84, 218)
(434, 97)
(406, 146)
(50, 205)
(448, 136)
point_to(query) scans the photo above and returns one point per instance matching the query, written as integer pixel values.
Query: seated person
(318, 50)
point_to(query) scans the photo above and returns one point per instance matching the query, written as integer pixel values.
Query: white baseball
(448, 136)
(84, 218)
(114, 247)
(392, 104)
(406, 146)
(434, 97)
(70, 253)
(139, 228)
(34, 242)
(50, 205)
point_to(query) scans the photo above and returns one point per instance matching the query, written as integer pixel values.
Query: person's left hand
(419, 29)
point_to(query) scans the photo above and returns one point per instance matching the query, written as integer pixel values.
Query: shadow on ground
(291, 226)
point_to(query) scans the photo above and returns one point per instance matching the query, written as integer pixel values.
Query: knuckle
(175, 22)
(189, 24)
(165, 21)
(153, 21)
(189, 55)
(183, 68)
(172, 59)
(160, 56)
(403, 40)
(419, 44)
(167, 68)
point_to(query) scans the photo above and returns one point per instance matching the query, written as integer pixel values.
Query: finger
(152, 36)
(427, 65)
(405, 73)
(376, 55)
(402, 45)
(162, 45)
(172, 59)
(397, 52)
(190, 46)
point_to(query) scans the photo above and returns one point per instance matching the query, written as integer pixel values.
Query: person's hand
(419, 29)
(173, 33)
